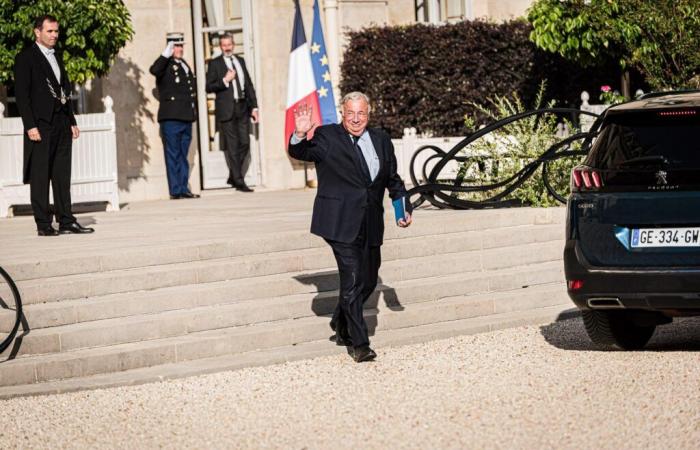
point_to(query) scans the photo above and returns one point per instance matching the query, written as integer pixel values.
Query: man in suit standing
(42, 90)
(176, 92)
(236, 105)
(355, 165)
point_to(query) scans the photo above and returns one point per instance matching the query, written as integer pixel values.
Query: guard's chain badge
(63, 98)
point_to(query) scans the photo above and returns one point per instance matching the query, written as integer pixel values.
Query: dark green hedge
(424, 76)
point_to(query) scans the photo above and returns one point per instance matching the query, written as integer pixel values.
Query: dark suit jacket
(224, 95)
(33, 74)
(177, 90)
(345, 195)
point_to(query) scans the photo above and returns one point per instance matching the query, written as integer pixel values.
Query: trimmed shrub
(429, 77)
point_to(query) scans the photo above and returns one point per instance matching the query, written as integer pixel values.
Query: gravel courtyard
(531, 387)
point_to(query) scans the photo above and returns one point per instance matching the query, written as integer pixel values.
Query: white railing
(406, 147)
(586, 120)
(94, 161)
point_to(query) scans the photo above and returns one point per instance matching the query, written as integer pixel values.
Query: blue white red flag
(301, 87)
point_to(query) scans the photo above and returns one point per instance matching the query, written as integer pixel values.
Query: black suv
(632, 256)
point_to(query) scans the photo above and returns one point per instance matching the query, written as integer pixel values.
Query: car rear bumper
(675, 291)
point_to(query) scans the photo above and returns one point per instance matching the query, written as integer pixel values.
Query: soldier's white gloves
(168, 52)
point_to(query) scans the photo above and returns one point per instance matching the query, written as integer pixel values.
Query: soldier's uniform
(178, 97)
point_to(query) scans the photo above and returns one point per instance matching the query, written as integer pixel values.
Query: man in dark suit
(177, 95)
(42, 89)
(236, 105)
(355, 166)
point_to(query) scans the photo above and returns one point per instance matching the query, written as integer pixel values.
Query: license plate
(665, 237)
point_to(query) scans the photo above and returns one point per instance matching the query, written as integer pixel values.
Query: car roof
(661, 100)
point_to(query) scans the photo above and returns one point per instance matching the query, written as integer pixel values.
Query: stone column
(331, 32)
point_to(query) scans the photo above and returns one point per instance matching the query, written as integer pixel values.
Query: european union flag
(322, 74)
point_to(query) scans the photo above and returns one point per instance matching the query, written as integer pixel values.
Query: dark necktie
(363, 161)
(238, 84)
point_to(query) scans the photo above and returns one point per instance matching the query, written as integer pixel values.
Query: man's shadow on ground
(324, 302)
(568, 333)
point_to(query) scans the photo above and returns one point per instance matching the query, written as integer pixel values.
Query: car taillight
(585, 178)
(575, 285)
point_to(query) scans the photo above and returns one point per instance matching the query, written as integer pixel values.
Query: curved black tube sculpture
(440, 193)
(18, 309)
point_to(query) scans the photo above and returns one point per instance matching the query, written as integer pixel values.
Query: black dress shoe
(50, 231)
(176, 197)
(189, 195)
(364, 353)
(74, 228)
(243, 188)
(342, 337)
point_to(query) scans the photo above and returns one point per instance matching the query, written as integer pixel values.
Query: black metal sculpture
(12, 303)
(440, 193)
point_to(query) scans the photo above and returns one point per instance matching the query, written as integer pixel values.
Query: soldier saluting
(175, 82)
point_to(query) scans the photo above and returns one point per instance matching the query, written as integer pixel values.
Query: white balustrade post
(584, 100)
(108, 104)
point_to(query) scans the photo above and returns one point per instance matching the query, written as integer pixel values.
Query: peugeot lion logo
(661, 177)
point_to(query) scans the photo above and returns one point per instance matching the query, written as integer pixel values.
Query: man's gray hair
(228, 36)
(356, 95)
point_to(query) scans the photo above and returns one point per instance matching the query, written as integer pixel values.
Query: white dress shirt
(183, 65)
(233, 64)
(369, 153)
(49, 53)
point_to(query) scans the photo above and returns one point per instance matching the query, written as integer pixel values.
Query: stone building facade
(262, 29)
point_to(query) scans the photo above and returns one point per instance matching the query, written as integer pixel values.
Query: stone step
(130, 251)
(153, 277)
(278, 355)
(310, 283)
(41, 315)
(236, 340)
(201, 318)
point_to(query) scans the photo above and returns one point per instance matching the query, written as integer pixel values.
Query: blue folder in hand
(399, 210)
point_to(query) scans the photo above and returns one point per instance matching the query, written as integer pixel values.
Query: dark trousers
(358, 267)
(177, 136)
(51, 163)
(235, 142)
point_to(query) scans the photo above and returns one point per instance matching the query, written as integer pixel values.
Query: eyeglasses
(352, 114)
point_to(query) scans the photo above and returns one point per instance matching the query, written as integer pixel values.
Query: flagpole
(330, 9)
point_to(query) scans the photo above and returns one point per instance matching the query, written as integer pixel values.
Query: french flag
(302, 85)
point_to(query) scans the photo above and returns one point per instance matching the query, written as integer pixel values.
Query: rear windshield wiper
(654, 160)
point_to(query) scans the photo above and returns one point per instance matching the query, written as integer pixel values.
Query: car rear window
(648, 139)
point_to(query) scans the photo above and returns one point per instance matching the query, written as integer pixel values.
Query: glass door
(213, 19)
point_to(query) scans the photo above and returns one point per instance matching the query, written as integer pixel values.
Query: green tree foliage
(91, 33)
(668, 52)
(660, 38)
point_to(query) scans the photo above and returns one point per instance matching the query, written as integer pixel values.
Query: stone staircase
(145, 312)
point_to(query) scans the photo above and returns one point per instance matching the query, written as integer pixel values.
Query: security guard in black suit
(42, 90)
(178, 96)
(236, 106)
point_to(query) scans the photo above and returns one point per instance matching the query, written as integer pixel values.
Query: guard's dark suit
(349, 214)
(48, 160)
(233, 116)
(177, 111)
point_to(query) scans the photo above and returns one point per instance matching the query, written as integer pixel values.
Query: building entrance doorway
(212, 19)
